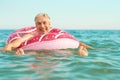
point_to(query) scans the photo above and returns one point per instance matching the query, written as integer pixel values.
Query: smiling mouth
(41, 30)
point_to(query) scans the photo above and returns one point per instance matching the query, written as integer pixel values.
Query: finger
(89, 47)
(80, 50)
(85, 52)
(22, 51)
(86, 46)
(19, 52)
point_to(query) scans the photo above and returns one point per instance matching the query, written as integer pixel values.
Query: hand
(20, 51)
(7, 48)
(82, 51)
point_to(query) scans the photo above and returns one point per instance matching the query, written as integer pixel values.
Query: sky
(64, 14)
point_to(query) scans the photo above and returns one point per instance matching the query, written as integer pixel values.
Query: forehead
(42, 19)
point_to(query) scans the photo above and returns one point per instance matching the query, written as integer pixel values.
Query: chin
(43, 32)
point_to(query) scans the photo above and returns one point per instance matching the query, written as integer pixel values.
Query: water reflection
(44, 67)
(45, 61)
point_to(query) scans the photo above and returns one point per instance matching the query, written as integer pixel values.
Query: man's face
(42, 25)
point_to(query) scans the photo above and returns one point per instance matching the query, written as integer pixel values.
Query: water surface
(101, 64)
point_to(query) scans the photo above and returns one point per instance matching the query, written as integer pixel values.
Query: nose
(42, 25)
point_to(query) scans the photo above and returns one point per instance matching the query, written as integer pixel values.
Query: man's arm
(84, 45)
(16, 43)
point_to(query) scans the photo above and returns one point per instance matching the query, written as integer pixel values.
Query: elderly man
(42, 22)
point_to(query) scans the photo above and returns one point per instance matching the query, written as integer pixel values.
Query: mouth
(42, 31)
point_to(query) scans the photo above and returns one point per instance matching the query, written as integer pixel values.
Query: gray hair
(43, 15)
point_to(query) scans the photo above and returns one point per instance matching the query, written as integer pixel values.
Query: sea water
(103, 62)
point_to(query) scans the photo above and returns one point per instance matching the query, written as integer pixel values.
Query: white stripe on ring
(41, 37)
(58, 35)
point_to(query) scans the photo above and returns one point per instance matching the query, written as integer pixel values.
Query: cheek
(47, 27)
(37, 27)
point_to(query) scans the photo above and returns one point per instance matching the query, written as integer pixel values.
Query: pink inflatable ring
(55, 39)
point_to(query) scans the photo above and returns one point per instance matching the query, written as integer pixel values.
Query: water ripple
(101, 64)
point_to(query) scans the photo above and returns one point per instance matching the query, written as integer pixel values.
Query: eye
(44, 22)
(39, 23)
